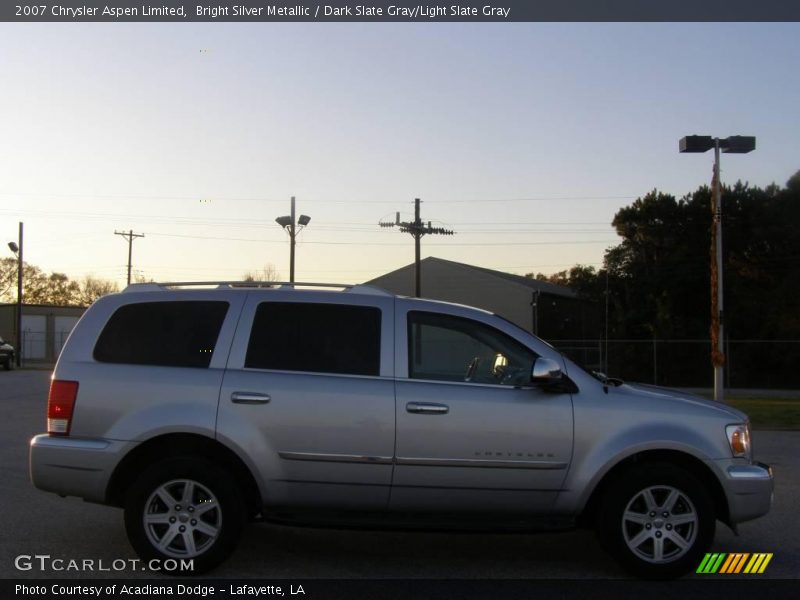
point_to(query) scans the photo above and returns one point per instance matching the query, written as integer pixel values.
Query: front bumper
(74, 467)
(750, 490)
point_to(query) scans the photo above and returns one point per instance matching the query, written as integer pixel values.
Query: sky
(524, 138)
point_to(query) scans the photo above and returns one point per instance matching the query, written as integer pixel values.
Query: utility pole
(417, 229)
(20, 265)
(17, 249)
(129, 235)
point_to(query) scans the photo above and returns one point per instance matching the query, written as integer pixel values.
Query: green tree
(53, 288)
(35, 285)
(8, 279)
(267, 273)
(659, 276)
(660, 271)
(584, 279)
(91, 288)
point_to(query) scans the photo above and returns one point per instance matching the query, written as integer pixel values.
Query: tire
(9, 364)
(657, 520)
(187, 493)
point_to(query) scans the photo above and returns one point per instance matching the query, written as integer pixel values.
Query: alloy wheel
(660, 524)
(182, 518)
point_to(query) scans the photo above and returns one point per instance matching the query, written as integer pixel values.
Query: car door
(308, 396)
(472, 432)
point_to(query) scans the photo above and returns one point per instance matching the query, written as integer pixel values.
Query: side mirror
(545, 370)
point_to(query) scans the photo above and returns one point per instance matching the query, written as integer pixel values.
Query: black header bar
(400, 11)
(391, 589)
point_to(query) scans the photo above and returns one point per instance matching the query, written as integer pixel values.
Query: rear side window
(169, 334)
(322, 338)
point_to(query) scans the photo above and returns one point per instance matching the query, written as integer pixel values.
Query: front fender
(594, 459)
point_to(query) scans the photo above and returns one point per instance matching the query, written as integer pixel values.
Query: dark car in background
(7, 355)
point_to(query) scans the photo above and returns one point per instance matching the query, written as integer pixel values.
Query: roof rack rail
(164, 285)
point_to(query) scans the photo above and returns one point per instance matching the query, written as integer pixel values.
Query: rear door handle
(249, 398)
(427, 409)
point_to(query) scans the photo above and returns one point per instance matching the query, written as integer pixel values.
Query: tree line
(59, 290)
(657, 279)
(50, 288)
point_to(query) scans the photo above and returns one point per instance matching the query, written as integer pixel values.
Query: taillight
(60, 404)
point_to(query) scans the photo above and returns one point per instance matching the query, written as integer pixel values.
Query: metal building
(551, 311)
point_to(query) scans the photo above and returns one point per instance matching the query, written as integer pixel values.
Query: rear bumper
(74, 467)
(749, 488)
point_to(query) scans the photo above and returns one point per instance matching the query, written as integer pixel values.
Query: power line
(211, 197)
(372, 270)
(329, 243)
(255, 222)
(535, 199)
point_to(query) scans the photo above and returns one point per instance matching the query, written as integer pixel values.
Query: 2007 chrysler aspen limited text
(197, 408)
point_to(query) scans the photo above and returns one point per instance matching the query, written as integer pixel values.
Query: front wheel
(184, 509)
(657, 520)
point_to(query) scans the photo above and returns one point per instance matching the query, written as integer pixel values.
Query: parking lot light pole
(737, 144)
(16, 248)
(289, 223)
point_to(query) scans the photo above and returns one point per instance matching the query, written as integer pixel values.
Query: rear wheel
(9, 364)
(185, 508)
(657, 520)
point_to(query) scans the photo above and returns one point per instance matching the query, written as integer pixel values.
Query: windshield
(525, 331)
(600, 376)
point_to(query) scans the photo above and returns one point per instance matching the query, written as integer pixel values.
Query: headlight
(739, 439)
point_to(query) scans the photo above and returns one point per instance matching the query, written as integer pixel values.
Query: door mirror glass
(545, 370)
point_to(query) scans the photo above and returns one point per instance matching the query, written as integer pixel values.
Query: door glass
(447, 348)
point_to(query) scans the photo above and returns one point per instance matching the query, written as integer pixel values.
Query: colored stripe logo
(735, 563)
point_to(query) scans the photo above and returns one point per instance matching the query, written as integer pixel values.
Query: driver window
(447, 348)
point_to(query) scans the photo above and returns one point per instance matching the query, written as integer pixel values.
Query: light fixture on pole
(290, 224)
(737, 144)
(17, 249)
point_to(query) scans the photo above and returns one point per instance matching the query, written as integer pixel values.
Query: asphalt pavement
(39, 523)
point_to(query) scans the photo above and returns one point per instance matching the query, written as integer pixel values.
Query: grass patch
(769, 413)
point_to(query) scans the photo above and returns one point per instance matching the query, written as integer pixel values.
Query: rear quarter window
(169, 334)
(321, 338)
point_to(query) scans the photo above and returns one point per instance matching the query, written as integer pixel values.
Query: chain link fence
(40, 348)
(768, 364)
(687, 363)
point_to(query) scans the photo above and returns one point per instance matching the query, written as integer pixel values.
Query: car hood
(656, 393)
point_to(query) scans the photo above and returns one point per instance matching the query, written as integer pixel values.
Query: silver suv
(199, 408)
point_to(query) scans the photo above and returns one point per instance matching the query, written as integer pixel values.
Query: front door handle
(249, 398)
(427, 409)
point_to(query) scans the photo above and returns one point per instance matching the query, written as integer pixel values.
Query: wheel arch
(189, 445)
(694, 465)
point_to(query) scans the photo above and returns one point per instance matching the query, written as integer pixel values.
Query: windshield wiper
(605, 379)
